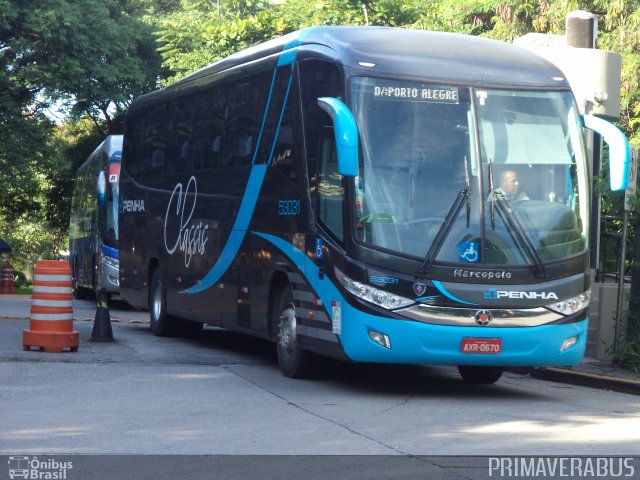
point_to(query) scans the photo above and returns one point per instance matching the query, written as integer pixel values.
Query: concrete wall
(602, 315)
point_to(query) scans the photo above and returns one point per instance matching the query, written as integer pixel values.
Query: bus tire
(478, 375)
(293, 360)
(161, 323)
(79, 293)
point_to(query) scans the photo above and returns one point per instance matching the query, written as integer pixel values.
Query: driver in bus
(510, 187)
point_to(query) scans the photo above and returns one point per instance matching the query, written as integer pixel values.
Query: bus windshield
(113, 203)
(467, 175)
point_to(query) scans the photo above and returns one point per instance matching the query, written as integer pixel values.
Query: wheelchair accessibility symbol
(469, 251)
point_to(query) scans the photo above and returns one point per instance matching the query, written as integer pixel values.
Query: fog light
(568, 343)
(380, 339)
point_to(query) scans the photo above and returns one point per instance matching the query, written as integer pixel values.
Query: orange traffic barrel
(8, 285)
(51, 325)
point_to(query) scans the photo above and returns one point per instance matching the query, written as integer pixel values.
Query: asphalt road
(221, 393)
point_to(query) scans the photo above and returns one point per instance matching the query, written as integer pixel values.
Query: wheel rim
(157, 303)
(287, 330)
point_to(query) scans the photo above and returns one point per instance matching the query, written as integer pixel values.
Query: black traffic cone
(102, 324)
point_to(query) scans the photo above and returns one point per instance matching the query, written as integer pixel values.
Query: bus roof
(435, 56)
(111, 146)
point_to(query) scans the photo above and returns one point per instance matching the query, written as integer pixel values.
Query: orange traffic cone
(51, 325)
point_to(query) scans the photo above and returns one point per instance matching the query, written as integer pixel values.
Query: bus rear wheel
(294, 361)
(480, 375)
(78, 292)
(161, 323)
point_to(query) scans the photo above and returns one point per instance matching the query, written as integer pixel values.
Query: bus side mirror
(619, 151)
(101, 190)
(346, 133)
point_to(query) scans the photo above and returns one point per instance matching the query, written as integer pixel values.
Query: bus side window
(319, 78)
(154, 141)
(284, 150)
(330, 188)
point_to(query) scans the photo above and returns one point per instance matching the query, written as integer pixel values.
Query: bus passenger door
(326, 243)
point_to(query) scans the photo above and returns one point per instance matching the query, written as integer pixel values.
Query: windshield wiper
(492, 196)
(518, 233)
(444, 230)
(467, 190)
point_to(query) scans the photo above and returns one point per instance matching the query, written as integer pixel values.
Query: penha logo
(133, 206)
(494, 294)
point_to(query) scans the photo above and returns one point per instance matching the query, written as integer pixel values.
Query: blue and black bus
(339, 191)
(93, 229)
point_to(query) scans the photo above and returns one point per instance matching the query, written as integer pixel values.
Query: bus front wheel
(480, 375)
(294, 361)
(161, 323)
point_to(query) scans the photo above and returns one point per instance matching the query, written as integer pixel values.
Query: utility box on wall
(594, 75)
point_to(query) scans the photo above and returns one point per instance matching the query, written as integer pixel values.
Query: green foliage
(627, 355)
(87, 59)
(83, 59)
(202, 32)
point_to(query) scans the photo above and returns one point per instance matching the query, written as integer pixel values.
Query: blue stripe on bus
(264, 117)
(238, 232)
(289, 56)
(290, 50)
(111, 252)
(444, 291)
(324, 288)
(417, 342)
(284, 105)
(254, 184)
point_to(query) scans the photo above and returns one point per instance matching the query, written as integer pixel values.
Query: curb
(588, 379)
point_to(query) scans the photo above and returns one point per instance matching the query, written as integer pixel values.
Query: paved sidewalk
(593, 373)
(590, 372)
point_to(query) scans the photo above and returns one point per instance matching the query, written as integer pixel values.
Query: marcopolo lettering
(481, 274)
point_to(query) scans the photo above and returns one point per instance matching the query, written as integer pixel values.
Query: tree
(53, 59)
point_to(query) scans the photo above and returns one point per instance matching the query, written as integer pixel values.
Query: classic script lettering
(191, 238)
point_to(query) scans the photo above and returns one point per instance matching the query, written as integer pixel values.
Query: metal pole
(623, 252)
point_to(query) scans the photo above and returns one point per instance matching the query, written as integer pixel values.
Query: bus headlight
(572, 305)
(371, 294)
(114, 262)
(568, 343)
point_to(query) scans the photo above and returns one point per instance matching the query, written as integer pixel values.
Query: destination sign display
(411, 92)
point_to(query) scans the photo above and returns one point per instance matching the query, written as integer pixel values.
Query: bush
(20, 279)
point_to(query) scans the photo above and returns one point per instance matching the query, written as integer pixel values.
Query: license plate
(481, 345)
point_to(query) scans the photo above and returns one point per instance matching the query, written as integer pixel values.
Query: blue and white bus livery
(336, 191)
